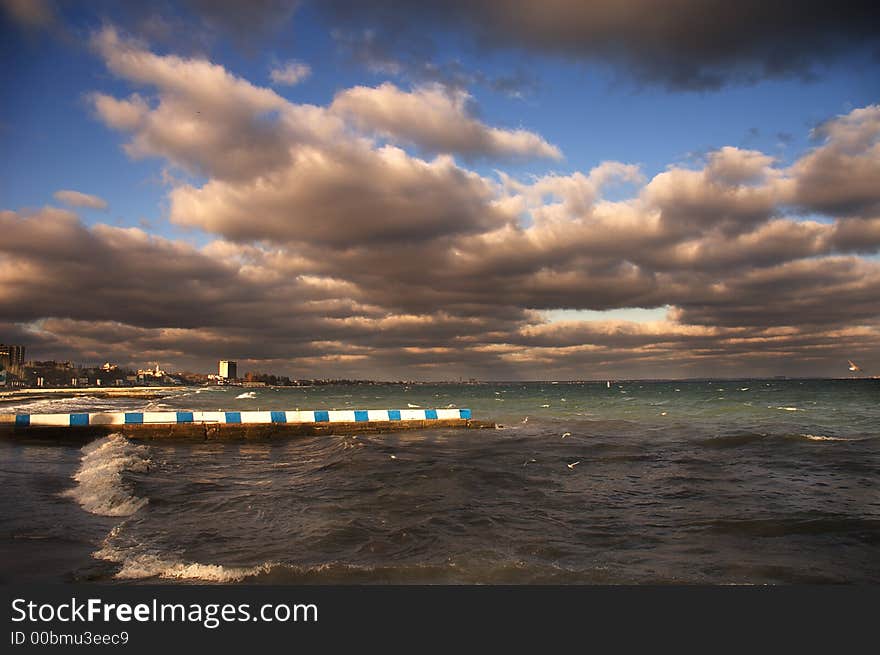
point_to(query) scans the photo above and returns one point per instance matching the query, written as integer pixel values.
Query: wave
(145, 566)
(821, 437)
(148, 566)
(247, 394)
(746, 438)
(100, 485)
(65, 405)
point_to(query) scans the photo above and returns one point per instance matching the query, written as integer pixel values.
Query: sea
(733, 482)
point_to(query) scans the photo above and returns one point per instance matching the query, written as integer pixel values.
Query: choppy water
(748, 481)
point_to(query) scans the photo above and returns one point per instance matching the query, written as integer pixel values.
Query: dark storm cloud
(685, 44)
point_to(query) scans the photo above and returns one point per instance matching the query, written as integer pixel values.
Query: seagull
(573, 464)
(566, 434)
(853, 366)
(525, 420)
(394, 457)
(528, 461)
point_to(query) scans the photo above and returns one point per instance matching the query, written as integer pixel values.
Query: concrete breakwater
(230, 425)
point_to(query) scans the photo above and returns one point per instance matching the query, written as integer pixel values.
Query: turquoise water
(732, 482)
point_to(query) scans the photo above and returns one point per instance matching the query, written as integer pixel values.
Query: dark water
(687, 482)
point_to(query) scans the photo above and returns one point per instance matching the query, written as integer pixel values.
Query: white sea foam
(790, 409)
(64, 405)
(821, 437)
(247, 394)
(139, 564)
(100, 486)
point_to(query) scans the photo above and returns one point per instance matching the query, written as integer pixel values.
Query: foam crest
(138, 564)
(101, 488)
(820, 437)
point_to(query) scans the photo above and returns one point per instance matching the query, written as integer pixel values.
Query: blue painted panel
(184, 417)
(430, 413)
(361, 415)
(22, 420)
(279, 417)
(79, 419)
(464, 413)
(233, 417)
(322, 417)
(393, 414)
(134, 417)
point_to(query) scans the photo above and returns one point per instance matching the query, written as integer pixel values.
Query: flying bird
(573, 464)
(566, 434)
(853, 366)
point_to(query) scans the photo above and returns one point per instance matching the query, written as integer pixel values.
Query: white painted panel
(209, 417)
(448, 413)
(341, 415)
(412, 415)
(256, 417)
(160, 417)
(377, 414)
(50, 419)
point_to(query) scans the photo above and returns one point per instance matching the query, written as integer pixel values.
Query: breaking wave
(822, 437)
(140, 563)
(100, 484)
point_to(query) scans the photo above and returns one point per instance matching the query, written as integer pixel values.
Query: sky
(491, 189)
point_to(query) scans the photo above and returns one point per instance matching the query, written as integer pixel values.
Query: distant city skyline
(434, 191)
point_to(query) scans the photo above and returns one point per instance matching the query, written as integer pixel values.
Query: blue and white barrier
(228, 418)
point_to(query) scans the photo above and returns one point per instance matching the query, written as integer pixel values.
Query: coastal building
(12, 358)
(151, 375)
(228, 369)
(11, 364)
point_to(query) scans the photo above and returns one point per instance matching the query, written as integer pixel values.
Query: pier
(218, 425)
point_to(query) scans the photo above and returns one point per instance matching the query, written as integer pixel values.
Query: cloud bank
(347, 239)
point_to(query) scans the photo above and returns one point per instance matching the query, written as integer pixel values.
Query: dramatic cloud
(293, 72)
(207, 120)
(437, 120)
(687, 44)
(327, 199)
(841, 176)
(337, 250)
(79, 199)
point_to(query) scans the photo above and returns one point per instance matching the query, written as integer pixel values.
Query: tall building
(12, 359)
(228, 369)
